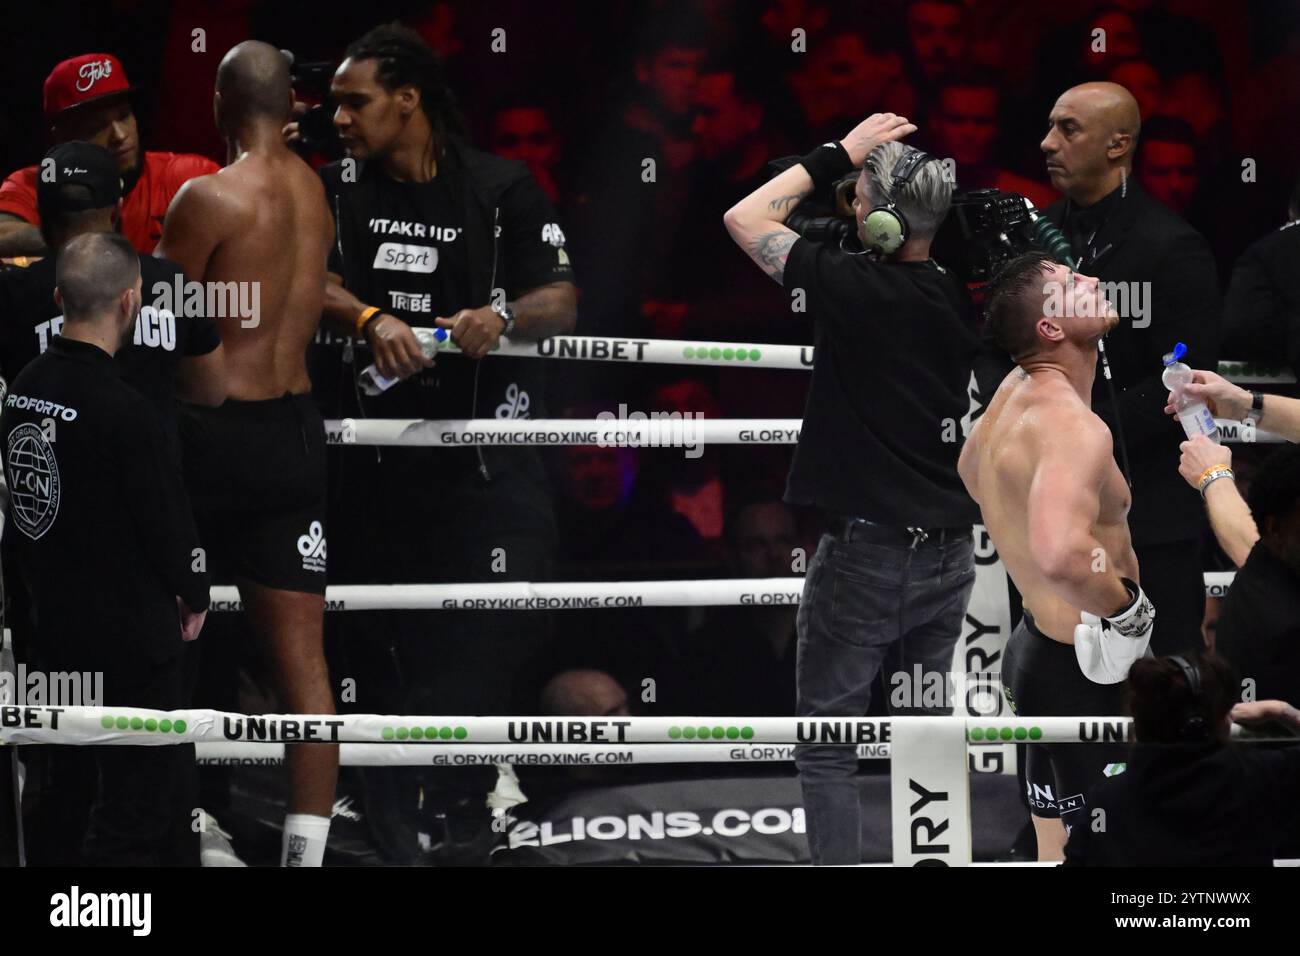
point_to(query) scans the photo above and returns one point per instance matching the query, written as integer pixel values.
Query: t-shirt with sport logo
(143, 208)
(148, 361)
(98, 524)
(418, 268)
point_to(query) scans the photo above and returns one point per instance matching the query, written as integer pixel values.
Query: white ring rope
(576, 595)
(138, 726)
(600, 348)
(658, 430)
(568, 755)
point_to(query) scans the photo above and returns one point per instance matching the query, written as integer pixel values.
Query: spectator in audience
(1118, 39)
(88, 98)
(584, 693)
(689, 479)
(725, 298)
(667, 70)
(1261, 310)
(1199, 98)
(728, 129)
(1167, 164)
(525, 132)
(936, 41)
(609, 528)
(741, 660)
(780, 18)
(843, 77)
(636, 187)
(1188, 796)
(965, 129)
(581, 692)
(1141, 79)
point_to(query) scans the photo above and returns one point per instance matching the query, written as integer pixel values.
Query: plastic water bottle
(1193, 415)
(372, 382)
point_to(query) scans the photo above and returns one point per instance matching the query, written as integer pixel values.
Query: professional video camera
(983, 229)
(311, 81)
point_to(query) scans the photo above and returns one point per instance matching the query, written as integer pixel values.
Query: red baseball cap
(81, 79)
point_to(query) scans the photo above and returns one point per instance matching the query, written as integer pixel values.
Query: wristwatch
(508, 316)
(1256, 406)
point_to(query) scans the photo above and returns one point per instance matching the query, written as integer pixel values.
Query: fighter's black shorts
(1041, 678)
(255, 472)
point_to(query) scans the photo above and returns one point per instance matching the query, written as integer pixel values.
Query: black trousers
(1173, 579)
(866, 605)
(73, 785)
(413, 527)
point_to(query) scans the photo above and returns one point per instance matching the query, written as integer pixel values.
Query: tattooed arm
(756, 223)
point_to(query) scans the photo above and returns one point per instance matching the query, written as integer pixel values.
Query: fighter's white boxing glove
(1106, 647)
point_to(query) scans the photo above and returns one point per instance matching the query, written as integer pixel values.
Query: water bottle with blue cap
(372, 382)
(1193, 414)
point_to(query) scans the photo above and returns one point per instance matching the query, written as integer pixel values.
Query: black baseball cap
(77, 164)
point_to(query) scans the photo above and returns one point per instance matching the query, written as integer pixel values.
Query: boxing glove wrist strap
(825, 165)
(366, 315)
(1135, 620)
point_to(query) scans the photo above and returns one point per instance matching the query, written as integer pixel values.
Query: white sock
(304, 840)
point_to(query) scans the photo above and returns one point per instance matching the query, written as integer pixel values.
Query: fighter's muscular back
(1042, 468)
(261, 219)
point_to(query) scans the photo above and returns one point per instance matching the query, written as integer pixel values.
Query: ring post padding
(930, 792)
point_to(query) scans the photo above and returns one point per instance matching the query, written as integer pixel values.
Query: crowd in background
(710, 91)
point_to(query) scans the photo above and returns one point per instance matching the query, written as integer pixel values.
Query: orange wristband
(365, 316)
(1212, 474)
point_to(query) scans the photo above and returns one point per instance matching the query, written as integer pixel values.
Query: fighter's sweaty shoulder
(276, 234)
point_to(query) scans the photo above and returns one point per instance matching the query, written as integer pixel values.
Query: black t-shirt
(98, 523)
(419, 270)
(416, 248)
(1193, 805)
(422, 262)
(148, 361)
(1259, 626)
(882, 425)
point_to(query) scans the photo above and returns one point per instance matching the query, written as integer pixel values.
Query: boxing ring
(932, 758)
(929, 772)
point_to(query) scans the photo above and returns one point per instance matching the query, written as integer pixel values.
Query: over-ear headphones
(1193, 727)
(885, 227)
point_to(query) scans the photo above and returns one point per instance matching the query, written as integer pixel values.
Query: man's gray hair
(923, 202)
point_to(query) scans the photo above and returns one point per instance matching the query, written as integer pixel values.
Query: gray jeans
(866, 604)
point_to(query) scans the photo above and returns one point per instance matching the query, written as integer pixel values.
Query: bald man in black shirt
(102, 537)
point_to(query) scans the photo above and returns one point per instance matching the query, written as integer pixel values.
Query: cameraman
(1188, 797)
(878, 449)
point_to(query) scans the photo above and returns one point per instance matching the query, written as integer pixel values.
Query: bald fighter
(255, 466)
(1163, 276)
(1040, 464)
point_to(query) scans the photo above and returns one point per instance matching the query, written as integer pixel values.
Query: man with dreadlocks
(432, 232)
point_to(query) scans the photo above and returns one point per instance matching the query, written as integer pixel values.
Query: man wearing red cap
(87, 98)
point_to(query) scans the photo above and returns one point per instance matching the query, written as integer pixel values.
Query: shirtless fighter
(255, 466)
(1041, 467)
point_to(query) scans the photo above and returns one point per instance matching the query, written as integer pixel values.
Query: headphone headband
(1194, 723)
(907, 166)
(1191, 672)
(886, 226)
